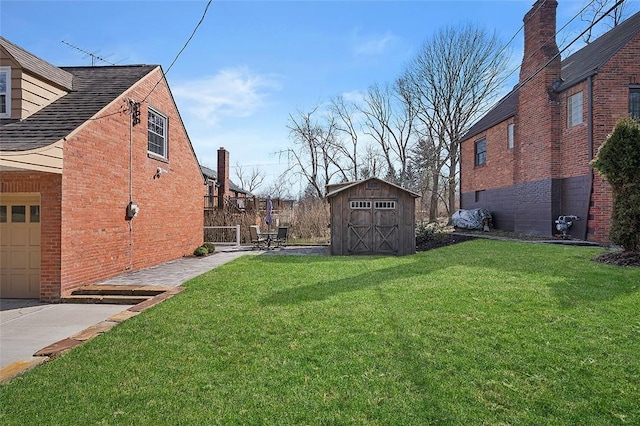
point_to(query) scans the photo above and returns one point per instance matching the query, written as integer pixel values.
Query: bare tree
(250, 181)
(314, 157)
(343, 115)
(615, 11)
(389, 120)
(454, 77)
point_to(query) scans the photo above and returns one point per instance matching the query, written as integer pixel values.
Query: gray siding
(533, 207)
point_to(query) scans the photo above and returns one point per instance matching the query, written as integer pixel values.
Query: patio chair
(281, 237)
(256, 240)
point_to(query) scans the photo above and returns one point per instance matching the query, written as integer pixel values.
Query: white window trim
(360, 204)
(150, 111)
(573, 114)
(511, 130)
(7, 71)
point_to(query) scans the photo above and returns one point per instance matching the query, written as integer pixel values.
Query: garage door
(20, 246)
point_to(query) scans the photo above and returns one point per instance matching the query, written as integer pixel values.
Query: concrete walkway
(29, 327)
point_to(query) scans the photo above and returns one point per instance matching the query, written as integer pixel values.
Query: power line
(164, 74)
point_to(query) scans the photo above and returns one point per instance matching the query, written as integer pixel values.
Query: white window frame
(575, 109)
(511, 128)
(360, 204)
(151, 112)
(6, 71)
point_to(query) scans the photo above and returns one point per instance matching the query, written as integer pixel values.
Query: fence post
(238, 235)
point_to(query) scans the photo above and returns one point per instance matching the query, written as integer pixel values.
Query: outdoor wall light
(160, 171)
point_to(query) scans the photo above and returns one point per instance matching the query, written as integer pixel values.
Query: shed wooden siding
(342, 243)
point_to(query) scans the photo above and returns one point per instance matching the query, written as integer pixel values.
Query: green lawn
(483, 332)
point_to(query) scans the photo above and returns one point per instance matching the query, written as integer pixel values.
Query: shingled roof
(93, 89)
(575, 68)
(212, 174)
(37, 66)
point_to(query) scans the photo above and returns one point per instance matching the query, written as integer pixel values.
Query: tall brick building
(80, 148)
(527, 160)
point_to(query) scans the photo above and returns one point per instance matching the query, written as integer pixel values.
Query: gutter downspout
(590, 144)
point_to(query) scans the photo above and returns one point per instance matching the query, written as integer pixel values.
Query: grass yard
(482, 332)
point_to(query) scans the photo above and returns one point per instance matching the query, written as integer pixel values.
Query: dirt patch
(620, 258)
(441, 240)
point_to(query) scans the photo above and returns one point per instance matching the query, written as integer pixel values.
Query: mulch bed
(620, 258)
(442, 240)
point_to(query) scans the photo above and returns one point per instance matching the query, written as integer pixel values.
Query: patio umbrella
(268, 218)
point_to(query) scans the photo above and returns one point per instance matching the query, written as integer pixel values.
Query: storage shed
(371, 216)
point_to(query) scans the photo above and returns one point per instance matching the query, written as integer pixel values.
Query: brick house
(80, 148)
(219, 186)
(527, 160)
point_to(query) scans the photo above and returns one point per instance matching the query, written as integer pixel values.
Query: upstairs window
(574, 110)
(634, 102)
(157, 133)
(5, 92)
(510, 135)
(481, 152)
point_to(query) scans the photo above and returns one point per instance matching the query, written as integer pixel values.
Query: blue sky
(252, 63)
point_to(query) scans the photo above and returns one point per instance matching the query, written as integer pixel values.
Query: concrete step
(120, 290)
(105, 299)
(115, 294)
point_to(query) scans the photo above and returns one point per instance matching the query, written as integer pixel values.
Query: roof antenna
(93, 56)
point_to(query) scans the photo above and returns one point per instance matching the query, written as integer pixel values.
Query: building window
(358, 205)
(157, 131)
(481, 152)
(5, 92)
(510, 135)
(634, 102)
(574, 109)
(384, 205)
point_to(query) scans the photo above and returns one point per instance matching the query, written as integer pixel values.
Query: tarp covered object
(471, 219)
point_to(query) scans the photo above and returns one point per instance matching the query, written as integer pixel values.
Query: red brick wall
(610, 103)
(497, 172)
(97, 241)
(575, 146)
(49, 187)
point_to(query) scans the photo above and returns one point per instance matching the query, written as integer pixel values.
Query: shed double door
(372, 227)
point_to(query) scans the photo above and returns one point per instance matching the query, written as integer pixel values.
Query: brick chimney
(540, 41)
(223, 176)
(538, 122)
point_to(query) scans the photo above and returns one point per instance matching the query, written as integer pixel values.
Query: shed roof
(93, 89)
(575, 68)
(345, 186)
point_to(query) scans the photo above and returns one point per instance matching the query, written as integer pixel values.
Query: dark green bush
(618, 160)
(201, 251)
(209, 246)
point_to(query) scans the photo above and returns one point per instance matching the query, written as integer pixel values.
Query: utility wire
(164, 74)
(532, 76)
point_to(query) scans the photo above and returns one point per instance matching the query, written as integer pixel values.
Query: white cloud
(232, 92)
(371, 45)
